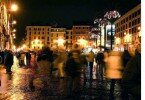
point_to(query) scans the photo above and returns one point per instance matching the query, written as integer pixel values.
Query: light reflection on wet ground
(16, 87)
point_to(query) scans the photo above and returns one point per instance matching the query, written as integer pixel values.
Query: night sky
(65, 12)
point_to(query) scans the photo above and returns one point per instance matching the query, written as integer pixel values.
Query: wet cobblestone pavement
(15, 87)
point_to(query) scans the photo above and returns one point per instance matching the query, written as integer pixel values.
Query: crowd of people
(113, 65)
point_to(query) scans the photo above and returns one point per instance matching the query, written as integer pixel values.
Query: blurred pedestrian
(114, 68)
(44, 70)
(76, 54)
(100, 65)
(59, 63)
(131, 80)
(73, 75)
(1, 57)
(28, 59)
(125, 57)
(90, 59)
(8, 61)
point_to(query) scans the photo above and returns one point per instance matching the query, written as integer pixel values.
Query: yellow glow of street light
(60, 41)
(139, 28)
(128, 38)
(14, 47)
(118, 41)
(14, 22)
(139, 34)
(14, 7)
(24, 46)
(14, 30)
(36, 41)
(82, 42)
(124, 33)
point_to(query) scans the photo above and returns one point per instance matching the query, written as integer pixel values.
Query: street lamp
(14, 22)
(14, 7)
(112, 16)
(14, 30)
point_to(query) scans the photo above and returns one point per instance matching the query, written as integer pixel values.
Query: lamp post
(105, 22)
(112, 16)
(102, 22)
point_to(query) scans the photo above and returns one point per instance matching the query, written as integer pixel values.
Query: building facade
(56, 38)
(4, 26)
(80, 34)
(128, 29)
(68, 37)
(37, 37)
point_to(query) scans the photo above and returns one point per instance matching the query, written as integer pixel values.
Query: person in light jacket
(114, 67)
(59, 63)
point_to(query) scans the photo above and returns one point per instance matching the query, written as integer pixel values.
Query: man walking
(90, 58)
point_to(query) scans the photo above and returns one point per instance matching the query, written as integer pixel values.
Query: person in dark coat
(90, 58)
(8, 61)
(131, 80)
(71, 70)
(28, 58)
(1, 57)
(48, 52)
(125, 57)
(100, 64)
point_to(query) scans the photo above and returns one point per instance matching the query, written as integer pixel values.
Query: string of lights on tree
(112, 15)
